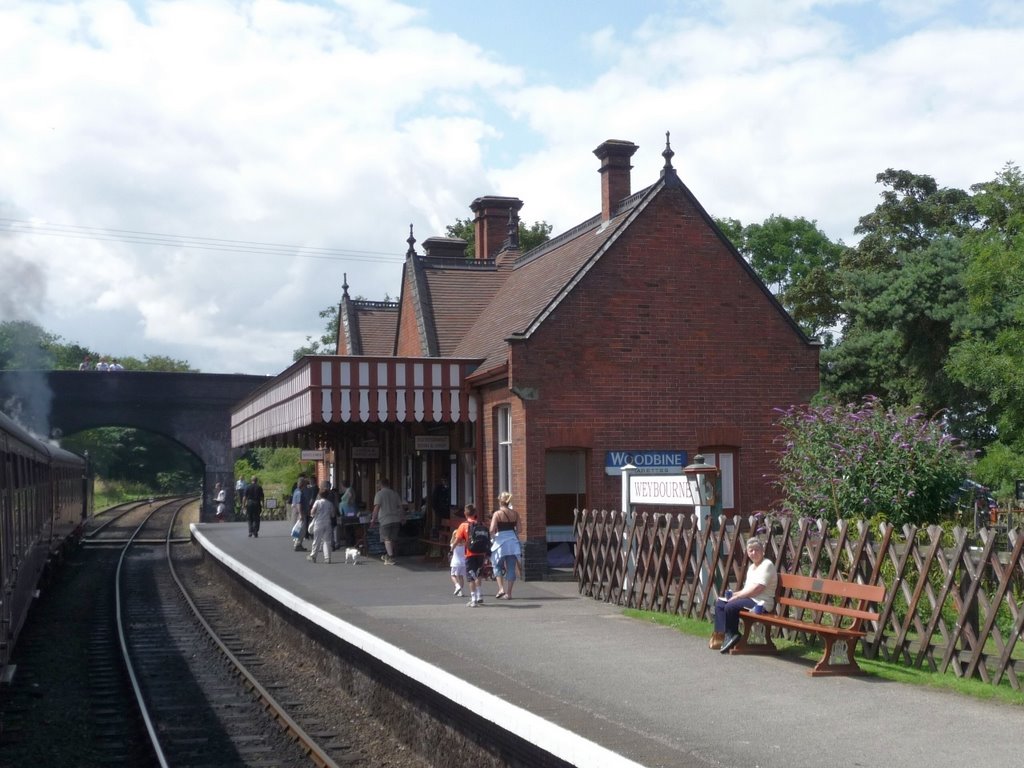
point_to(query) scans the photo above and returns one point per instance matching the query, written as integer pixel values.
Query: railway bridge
(193, 409)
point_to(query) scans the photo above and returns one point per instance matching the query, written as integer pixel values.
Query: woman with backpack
(505, 547)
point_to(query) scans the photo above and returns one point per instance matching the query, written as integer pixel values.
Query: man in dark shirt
(254, 506)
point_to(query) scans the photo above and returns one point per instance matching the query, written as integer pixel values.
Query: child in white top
(458, 563)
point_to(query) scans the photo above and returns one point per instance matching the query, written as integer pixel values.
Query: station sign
(311, 455)
(673, 490)
(432, 442)
(646, 462)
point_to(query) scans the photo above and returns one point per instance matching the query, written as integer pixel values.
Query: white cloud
(335, 125)
(264, 121)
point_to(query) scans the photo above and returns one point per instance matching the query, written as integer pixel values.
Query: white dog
(352, 555)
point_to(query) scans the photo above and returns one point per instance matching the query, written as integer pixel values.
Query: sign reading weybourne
(646, 462)
(672, 490)
(311, 455)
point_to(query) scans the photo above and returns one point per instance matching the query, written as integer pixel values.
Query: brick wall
(668, 341)
(409, 340)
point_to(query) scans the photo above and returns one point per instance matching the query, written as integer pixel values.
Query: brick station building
(640, 330)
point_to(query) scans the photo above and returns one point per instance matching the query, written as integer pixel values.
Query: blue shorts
(506, 567)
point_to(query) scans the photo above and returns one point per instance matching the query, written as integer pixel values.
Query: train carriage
(42, 505)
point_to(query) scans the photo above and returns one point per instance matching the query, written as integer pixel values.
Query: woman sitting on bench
(758, 594)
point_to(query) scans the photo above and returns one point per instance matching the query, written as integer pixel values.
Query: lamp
(700, 477)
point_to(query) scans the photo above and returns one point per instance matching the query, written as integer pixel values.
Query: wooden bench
(819, 606)
(437, 547)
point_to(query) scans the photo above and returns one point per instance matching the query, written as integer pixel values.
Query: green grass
(109, 494)
(877, 668)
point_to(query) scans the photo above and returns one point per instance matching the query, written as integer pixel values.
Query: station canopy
(321, 390)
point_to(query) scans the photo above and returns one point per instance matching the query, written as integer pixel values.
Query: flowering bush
(861, 460)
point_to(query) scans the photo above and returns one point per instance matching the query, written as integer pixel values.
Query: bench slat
(793, 581)
(802, 626)
(835, 610)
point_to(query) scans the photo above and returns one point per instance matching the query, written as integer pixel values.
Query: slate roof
(537, 281)
(372, 326)
(454, 294)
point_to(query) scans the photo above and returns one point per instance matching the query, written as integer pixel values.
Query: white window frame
(503, 447)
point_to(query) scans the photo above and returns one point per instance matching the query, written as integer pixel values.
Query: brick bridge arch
(193, 409)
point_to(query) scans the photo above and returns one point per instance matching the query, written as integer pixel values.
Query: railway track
(199, 702)
(72, 703)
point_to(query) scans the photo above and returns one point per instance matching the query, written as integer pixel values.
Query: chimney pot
(490, 221)
(444, 248)
(614, 155)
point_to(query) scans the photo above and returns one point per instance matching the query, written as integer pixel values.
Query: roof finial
(668, 154)
(513, 228)
(412, 242)
(344, 285)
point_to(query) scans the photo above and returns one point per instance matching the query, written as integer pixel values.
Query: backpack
(479, 539)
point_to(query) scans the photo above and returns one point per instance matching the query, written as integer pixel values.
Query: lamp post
(701, 477)
(627, 509)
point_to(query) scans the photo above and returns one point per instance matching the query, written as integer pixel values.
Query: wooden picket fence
(953, 601)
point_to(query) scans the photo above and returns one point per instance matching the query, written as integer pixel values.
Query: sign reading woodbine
(661, 490)
(645, 462)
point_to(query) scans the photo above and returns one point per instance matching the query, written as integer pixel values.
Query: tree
(904, 324)
(863, 460)
(138, 457)
(914, 211)
(903, 304)
(156, 363)
(990, 355)
(25, 346)
(798, 263)
(529, 236)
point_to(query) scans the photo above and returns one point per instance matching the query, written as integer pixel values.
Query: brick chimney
(490, 222)
(444, 248)
(614, 156)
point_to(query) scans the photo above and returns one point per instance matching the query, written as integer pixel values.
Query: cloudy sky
(193, 178)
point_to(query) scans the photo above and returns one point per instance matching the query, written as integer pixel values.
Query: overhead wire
(103, 234)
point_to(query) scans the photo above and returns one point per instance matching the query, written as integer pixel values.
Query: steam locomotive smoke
(26, 398)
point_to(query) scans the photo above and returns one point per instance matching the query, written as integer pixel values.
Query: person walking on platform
(388, 512)
(505, 549)
(334, 497)
(458, 563)
(321, 513)
(240, 487)
(221, 499)
(348, 513)
(298, 521)
(254, 506)
(309, 495)
(474, 536)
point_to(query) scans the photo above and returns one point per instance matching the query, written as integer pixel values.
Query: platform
(576, 677)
